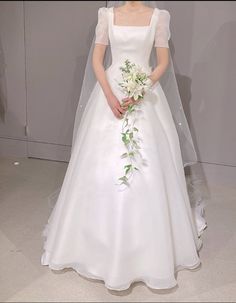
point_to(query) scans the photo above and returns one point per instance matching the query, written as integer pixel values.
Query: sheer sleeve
(101, 31)
(162, 34)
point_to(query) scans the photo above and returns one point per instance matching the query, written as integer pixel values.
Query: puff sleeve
(101, 30)
(162, 34)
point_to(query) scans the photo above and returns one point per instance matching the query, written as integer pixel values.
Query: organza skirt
(114, 233)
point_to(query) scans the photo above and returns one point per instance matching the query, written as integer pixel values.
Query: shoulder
(164, 13)
(103, 14)
(102, 10)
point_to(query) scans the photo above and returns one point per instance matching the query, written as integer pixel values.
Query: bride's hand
(115, 106)
(128, 101)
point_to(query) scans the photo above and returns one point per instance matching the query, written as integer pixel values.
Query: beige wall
(45, 45)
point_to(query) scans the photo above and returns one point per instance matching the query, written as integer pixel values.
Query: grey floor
(24, 211)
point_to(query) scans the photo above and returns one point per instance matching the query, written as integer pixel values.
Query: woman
(142, 230)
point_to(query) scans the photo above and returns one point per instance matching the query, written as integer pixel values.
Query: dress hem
(89, 275)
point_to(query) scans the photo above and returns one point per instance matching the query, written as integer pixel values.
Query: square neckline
(131, 26)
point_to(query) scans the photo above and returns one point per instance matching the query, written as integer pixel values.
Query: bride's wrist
(152, 79)
(109, 95)
(153, 82)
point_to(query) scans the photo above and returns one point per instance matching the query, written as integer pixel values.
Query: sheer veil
(169, 85)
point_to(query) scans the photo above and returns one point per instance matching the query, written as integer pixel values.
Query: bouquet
(135, 82)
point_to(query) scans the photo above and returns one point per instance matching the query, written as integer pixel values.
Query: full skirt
(119, 234)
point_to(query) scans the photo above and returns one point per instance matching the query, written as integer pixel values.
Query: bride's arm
(98, 55)
(100, 44)
(162, 36)
(113, 102)
(162, 54)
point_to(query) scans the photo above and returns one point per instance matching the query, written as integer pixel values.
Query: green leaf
(130, 108)
(136, 144)
(128, 165)
(127, 170)
(125, 140)
(135, 129)
(124, 180)
(124, 155)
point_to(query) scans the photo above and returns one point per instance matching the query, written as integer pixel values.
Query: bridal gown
(143, 232)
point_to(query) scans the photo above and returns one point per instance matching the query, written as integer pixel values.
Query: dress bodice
(132, 42)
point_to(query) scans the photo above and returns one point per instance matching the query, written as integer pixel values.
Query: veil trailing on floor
(169, 85)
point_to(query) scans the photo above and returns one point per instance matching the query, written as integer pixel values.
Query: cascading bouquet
(135, 82)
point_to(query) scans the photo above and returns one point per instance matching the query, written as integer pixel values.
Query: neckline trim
(131, 26)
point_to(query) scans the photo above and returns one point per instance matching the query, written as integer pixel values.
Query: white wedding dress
(144, 232)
